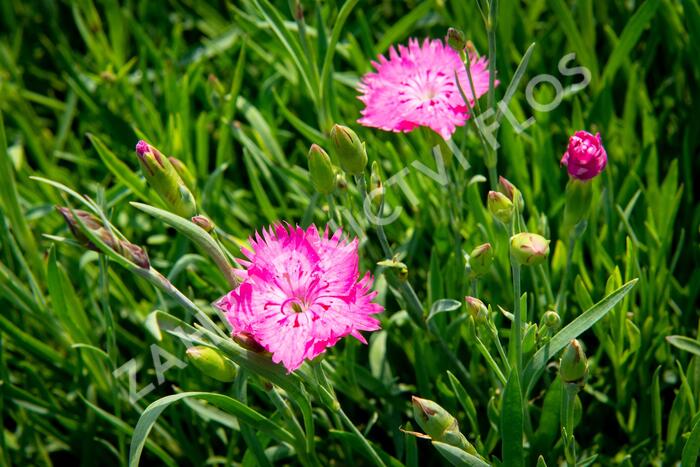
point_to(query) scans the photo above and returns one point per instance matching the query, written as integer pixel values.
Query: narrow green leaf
(512, 422)
(443, 306)
(629, 37)
(692, 446)
(244, 414)
(685, 343)
(458, 457)
(119, 169)
(571, 331)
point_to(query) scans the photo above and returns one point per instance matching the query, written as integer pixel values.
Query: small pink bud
(585, 157)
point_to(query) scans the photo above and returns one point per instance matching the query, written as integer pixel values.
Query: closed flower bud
(203, 222)
(135, 254)
(551, 319)
(91, 222)
(247, 341)
(184, 173)
(349, 149)
(573, 368)
(212, 363)
(439, 424)
(500, 207)
(513, 194)
(321, 170)
(376, 187)
(528, 248)
(477, 309)
(456, 39)
(164, 179)
(585, 157)
(480, 259)
(579, 194)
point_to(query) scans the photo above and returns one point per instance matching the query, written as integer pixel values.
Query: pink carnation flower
(585, 157)
(417, 87)
(301, 292)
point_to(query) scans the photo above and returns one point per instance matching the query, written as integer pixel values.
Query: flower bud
(456, 39)
(579, 194)
(480, 259)
(203, 222)
(376, 187)
(439, 424)
(349, 149)
(528, 248)
(91, 222)
(131, 252)
(184, 173)
(500, 207)
(247, 341)
(551, 319)
(513, 194)
(135, 254)
(321, 170)
(573, 367)
(585, 157)
(477, 309)
(164, 179)
(212, 363)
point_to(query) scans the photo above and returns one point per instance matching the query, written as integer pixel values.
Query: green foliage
(238, 91)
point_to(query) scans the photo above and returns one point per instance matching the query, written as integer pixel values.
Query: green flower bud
(439, 424)
(376, 187)
(500, 207)
(480, 259)
(212, 363)
(456, 39)
(528, 248)
(321, 170)
(349, 150)
(164, 179)
(579, 194)
(203, 222)
(551, 319)
(184, 173)
(513, 194)
(477, 309)
(573, 367)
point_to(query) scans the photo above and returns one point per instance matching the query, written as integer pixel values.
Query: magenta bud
(585, 157)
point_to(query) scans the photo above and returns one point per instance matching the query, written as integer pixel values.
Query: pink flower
(301, 292)
(417, 87)
(585, 157)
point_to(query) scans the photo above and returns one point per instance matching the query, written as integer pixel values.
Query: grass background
(212, 84)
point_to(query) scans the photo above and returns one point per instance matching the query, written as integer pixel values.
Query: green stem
(516, 325)
(575, 233)
(494, 336)
(568, 402)
(489, 360)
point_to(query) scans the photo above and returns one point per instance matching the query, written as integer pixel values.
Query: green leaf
(571, 331)
(585, 52)
(512, 422)
(458, 457)
(443, 306)
(119, 169)
(465, 401)
(244, 414)
(629, 37)
(685, 343)
(692, 446)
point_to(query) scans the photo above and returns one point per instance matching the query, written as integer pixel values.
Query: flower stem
(568, 402)
(516, 326)
(577, 231)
